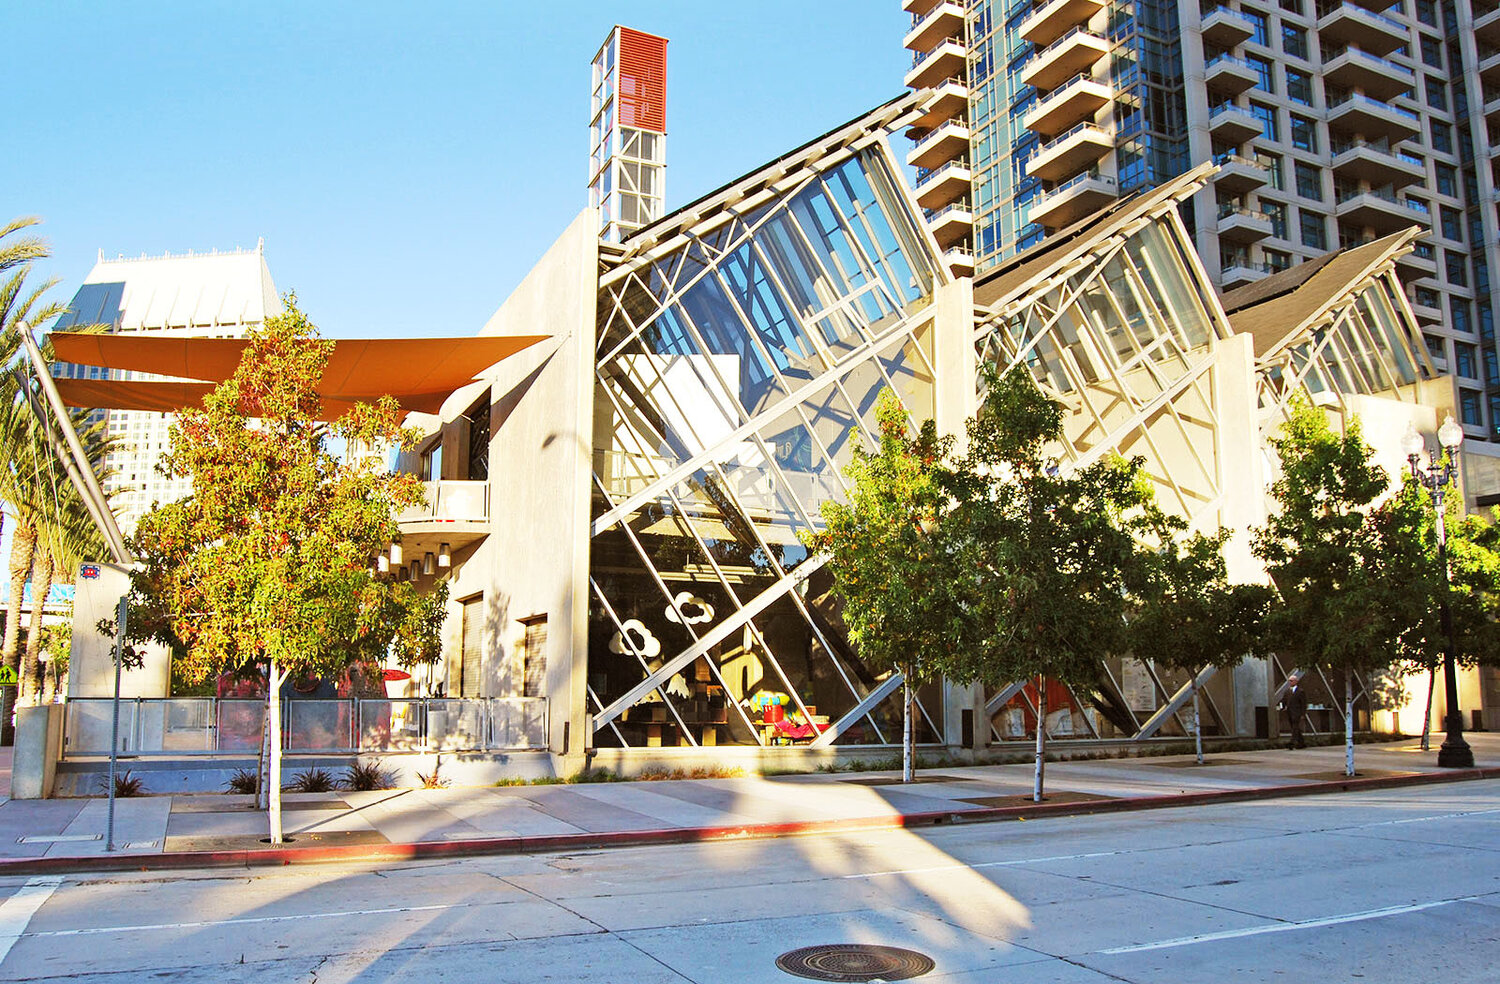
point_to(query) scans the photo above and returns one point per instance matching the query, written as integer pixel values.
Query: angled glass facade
(736, 368)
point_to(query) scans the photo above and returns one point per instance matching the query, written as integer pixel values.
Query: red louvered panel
(642, 96)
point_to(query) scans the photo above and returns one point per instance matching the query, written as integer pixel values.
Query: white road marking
(1286, 927)
(16, 911)
(1436, 816)
(987, 864)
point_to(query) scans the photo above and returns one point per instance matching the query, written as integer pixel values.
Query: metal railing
(1072, 131)
(923, 180)
(1364, 100)
(1228, 60)
(941, 131)
(1340, 148)
(451, 500)
(1229, 211)
(1207, 12)
(1385, 65)
(1223, 160)
(922, 56)
(172, 726)
(1058, 92)
(1327, 10)
(917, 20)
(1056, 46)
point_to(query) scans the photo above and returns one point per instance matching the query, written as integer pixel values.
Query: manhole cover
(854, 962)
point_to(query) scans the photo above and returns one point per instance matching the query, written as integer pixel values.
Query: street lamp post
(1435, 478)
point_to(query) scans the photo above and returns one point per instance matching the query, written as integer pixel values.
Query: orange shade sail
(420, 373)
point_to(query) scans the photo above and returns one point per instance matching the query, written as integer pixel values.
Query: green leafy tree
(1337, 607)
(268, 565)
(1407, 527)
(886, 551)
(1189, 617)
(1046, 560)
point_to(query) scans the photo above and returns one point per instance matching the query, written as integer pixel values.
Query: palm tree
(46, 508)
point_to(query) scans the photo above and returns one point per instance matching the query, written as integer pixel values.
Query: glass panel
(748, 281)
(708, 308)
(911, 374)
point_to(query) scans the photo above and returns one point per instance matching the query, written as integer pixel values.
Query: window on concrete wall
(1314, 229)
(1468, 407)
(534, 657)
(479, 439)
(1309, 181)
(471, 660)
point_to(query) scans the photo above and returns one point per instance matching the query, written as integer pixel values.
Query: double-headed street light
(1440, 471)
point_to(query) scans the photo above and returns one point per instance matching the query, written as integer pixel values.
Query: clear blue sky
(406, 163)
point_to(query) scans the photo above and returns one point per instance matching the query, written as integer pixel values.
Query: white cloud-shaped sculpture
(634, 639)
(692, 608)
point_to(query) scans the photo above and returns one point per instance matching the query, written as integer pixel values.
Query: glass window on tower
(1299, 87)
(1309, 181)
(1427, 12)
(1442, 136)
(1447, 179)
(1314, 229)
(1269, 127)
(1453, 223)
(1464, 361)
(1468, 405)
(1257, 21)
(1304, 133)
(1437, 95)
(1432, 51)
(1263, 77)
(1294, 40)
(1455, 267)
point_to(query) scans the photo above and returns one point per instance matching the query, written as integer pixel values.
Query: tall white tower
(628, 133)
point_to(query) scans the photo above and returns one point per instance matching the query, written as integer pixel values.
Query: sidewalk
(208, 830)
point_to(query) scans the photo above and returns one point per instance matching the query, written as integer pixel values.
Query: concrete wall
(37, 749)
(534, 562)
(91, 668)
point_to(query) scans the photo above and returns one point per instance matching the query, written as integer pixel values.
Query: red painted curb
(277, 857)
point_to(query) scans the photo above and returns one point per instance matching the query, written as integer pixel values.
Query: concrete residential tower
(1333, 123)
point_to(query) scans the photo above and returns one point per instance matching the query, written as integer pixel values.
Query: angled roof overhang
(1282, 308)
(1061, 253)
(419, 373)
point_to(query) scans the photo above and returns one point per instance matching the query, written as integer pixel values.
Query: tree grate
(854, 962)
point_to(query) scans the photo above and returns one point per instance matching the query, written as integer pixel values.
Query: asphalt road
(1392, 886)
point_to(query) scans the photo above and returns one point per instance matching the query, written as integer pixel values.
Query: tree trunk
(1427, 717)
(22, 546)
(907, 734)
(29, 691)
(273, 783)
(1348, 723)
(1197, 721)
(1041, 739)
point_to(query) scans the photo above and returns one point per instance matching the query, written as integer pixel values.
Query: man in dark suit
(1294, 702)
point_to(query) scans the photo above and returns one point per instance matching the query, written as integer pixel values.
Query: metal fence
(209, 725)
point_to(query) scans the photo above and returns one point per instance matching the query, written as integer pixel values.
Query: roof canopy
(419, 373)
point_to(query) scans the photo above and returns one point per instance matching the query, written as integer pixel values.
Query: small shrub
(311, 781)
(510, 781)
(431, 780)
(126, 785)
(244, 781)
(365, 776)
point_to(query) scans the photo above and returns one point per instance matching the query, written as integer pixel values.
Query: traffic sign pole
(114, 730)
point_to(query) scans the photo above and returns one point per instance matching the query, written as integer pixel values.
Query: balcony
(919, 7)
(1229, 75)
(1489, 64)
(944, 186)
(1050, 21)
(960, 260)
(1426, 314)
(1071, 103)
(1419, 264)
(1372, 32)
(947, 61)
(948, 100)
(1070, 55)
(1360, 161)
(1237, 175)
(456, 513)
(1374, 76)
(1361, 116)
(1225, 28)
(1238, 273)
(947, 143)
(1241, 225)
(1377, 210)
(1072, 200)
(1375, 5)
(952, 225)
(1487, 25)
(1491, 96)
(1065, 155)
(1233, 124)
(942, 22)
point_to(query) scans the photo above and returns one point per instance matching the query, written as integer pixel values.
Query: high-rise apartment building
(216, 294)
(1332, 123)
